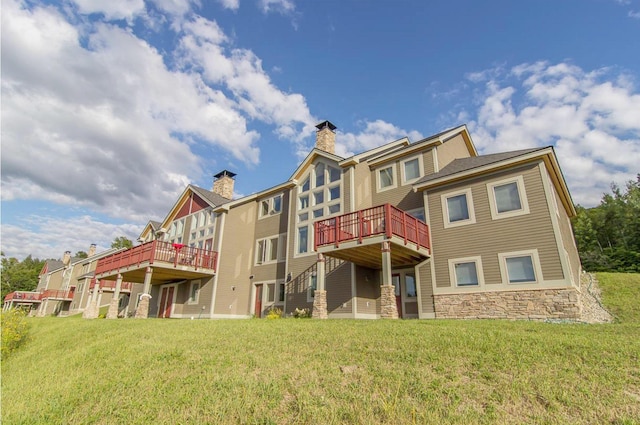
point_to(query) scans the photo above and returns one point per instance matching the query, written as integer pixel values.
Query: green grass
(621, 294)
(76, 371)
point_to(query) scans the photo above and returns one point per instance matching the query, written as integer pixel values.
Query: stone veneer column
(115, 300)
(320, 295)
(142, 312)
(91, 311)
(388, 306)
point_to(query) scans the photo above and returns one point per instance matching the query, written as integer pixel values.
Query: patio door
(166, 302)
(258, 303)
(395, 278)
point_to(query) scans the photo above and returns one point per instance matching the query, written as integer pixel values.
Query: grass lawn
(76, 371)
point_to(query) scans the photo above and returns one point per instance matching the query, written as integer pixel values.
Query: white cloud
(590, 117)
(49, 237)
(375, 133)
(281, 6)
(112, 10)
(230, 4)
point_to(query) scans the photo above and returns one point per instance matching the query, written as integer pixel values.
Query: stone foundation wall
(530, 305)
(388, 307)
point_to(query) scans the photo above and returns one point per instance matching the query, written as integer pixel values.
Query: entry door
(258, 304)
(396, 284)
(166, 302)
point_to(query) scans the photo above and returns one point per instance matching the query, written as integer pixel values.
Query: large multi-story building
(428, 229)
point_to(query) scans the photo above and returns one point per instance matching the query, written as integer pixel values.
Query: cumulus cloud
(49, 237)
(102, 122)
(590, 117)
(373, 134)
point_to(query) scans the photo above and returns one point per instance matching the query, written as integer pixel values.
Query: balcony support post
(115, 300)
(142, 312)
(320, 295)
(388, 307)
(92, 310)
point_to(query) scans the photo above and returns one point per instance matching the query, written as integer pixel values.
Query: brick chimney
(223, 184)
(66, 258)
(92, 250)
(326, 137)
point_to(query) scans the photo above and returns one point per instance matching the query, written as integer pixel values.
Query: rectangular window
(281, 292)
(507, 198)
(271, 292)
(317, 213)
(303, 217)
(334, 193)
(334, 174)
(305, 185)
(520, 267)
(271, 206)
(270, 250)
(385, 178)
(419, 214)
(410, 285)
(411, 170)
(313, 285)
(318, 198)
(194, 292)
(466, 272)
(457, 208)
(334, 209)
(303, 240)
(319, 174)
(304, 202)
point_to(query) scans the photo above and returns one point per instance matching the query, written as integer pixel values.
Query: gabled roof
(463, 168)
(213, 199)
(315, 152)
(465, 164)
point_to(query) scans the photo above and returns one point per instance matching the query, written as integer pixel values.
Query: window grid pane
(458, 208)
(410, 286)
(520, 269)
(466, 274)
(507, 197)
(411, 169)
(386, 177)
(302, 240)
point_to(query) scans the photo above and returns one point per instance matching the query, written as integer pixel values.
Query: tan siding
(206, 290)
(367, 290)
(236, 261)
(452, 149)
(346, 192)
(489, 237)
(427, 160)
(338, 285)
(363, 186)
(426, 287)
(568, 241)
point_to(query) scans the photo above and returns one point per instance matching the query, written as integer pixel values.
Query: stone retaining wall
(532, 305)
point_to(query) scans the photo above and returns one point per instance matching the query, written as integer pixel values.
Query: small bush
(14, 330)
(301, 313)
(274, 313)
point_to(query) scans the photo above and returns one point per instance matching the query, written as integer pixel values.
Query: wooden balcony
(59, 294)
(170, 262)
(24, 297)
(356, 236)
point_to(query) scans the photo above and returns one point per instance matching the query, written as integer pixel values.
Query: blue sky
(110, 108)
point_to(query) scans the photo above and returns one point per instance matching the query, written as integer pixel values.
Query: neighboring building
(428, 229)
(65, 287)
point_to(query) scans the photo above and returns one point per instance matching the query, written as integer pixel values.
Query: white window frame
(310, 229)
(268, 249)
(420, 169)
(453, 278)
(524, 204)
(271, 202)
(535, 260)
(190, 300)
(394, 176)
(445, 208)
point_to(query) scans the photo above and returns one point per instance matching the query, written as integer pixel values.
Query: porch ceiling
(368, 253)
(161, 273)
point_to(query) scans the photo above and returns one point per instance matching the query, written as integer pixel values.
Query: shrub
(274, 313)
(14, 330)
(301, 313)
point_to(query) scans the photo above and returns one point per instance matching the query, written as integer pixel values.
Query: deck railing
(161, 252)
(60, 294)
(381, 220)
(20, 296)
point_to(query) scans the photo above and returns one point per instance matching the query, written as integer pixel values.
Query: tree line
(608, 235)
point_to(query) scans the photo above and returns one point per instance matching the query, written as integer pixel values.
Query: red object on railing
(381, 220)
(158, 251)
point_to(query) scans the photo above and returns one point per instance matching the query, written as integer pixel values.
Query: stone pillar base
(142, 312)
(91, 311)
(320, 305)
(112, 313)
(388, 306)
